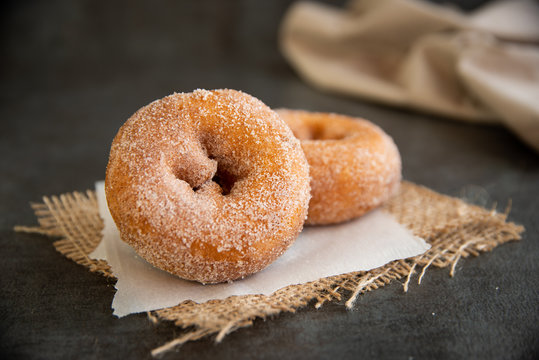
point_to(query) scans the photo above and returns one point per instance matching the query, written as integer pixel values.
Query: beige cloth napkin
(480, 67)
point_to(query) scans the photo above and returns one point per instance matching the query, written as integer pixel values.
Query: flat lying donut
(354, 165)
(211, 185)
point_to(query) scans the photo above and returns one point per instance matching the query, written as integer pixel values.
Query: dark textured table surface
(73, 71)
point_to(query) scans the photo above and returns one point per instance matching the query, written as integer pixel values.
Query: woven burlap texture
(453, 228)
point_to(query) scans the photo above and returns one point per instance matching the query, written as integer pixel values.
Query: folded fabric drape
(481, 67)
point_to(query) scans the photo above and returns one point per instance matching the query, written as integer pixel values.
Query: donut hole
(321, 132)
(195, 171)
(222, 177)
(225, 179)
(324, 134)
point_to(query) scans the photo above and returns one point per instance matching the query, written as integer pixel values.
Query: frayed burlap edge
(454, 229)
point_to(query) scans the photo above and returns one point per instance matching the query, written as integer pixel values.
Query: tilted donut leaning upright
(210, 186)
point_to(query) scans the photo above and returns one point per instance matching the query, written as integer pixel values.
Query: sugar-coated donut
(354, 165)
(210, 186)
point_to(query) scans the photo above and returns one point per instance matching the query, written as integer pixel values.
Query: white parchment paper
(363, 244)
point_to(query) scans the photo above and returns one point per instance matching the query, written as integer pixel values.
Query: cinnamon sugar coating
(354, 165)
(210, 186)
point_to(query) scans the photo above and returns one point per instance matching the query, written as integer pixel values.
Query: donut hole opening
(320, 132)
(223, 177)
(195, 170)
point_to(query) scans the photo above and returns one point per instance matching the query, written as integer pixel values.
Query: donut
(354, 165)
(210, 186)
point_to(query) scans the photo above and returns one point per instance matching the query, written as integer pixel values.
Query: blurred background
(71, 72)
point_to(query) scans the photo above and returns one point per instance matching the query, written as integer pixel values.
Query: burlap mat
(454, 229)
